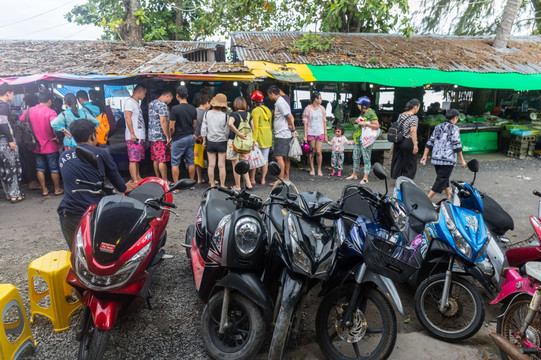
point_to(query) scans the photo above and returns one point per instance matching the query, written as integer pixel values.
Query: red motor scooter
(116, 249)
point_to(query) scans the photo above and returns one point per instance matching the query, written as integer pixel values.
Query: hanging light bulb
(182, 83)
(235, 83)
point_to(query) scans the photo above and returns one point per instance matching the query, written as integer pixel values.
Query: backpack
(102, 131)
(394, 134)
(244, 146)
(24, 133)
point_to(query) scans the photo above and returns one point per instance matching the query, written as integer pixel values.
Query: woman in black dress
(404, 153)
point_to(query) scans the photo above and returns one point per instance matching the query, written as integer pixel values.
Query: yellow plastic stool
(53, 268)
(9, 350)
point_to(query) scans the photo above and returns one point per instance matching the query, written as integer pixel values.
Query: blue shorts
(181, 147)
(44, 161)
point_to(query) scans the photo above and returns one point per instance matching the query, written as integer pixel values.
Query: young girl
(445, 145)
(337, 156)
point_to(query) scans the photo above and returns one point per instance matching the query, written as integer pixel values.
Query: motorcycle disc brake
(355, 332)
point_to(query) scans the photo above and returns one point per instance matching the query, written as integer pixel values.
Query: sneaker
(339, 174)
(332, 174)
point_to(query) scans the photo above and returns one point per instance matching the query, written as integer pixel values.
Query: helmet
(257, 96)
(364, 101)
(306, 148)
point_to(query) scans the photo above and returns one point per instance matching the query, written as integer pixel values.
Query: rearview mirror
(379, 171)
(473, 165)
(182, 184)
(274, 168)
(242, 167)
(88, 157)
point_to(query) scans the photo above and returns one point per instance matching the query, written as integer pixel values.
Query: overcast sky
(47, 21)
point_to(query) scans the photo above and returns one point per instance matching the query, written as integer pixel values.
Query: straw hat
(220, 100)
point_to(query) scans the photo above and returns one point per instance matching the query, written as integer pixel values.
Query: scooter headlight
(300, 259)
(460, 242)
(247, 233)
(101, 283)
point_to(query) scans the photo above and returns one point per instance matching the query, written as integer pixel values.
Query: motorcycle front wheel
(93, 341)
(461, 319)
(245, 335)
(372, 334)
(510, 323)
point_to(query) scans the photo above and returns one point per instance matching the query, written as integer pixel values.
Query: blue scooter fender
(386, 285)
(249, 285)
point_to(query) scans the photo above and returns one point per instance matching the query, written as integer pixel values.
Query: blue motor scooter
(450, 245)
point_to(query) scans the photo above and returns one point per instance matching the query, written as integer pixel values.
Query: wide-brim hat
(220, 100)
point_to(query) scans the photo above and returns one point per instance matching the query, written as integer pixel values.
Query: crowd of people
(183, 134)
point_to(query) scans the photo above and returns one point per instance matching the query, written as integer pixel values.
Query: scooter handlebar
(537, 193)
(171, 205)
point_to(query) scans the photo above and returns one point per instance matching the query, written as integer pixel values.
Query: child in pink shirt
(337, 156)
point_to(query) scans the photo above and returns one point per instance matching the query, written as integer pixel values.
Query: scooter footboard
(249, 285)
(104, 311)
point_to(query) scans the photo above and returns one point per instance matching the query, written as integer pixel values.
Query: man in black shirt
(10, 167)
(182, 124)
(73, 206)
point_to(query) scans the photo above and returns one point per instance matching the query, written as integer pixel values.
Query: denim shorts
(182, 147)
(44, 161)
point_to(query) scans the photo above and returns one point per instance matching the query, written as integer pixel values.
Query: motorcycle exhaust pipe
(505, 345)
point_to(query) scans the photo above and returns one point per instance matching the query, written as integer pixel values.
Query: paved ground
(171, 330)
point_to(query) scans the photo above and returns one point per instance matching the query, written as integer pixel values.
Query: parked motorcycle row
(255, 260)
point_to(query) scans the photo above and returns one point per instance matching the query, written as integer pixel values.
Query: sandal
(312, 173)
(319, 173)
(364, 181)
(352, 177)
(263, 182)
(60, 193)
(17, 199)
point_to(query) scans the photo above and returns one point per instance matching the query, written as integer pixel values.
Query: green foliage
(203, 18)
(311, 41)
(471, 17)
(372, 61)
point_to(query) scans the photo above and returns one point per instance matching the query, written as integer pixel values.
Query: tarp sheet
(408, 77)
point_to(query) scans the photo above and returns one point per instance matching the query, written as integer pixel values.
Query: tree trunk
(506, 25)
(130, 31)
(178, 19)
(537, 7)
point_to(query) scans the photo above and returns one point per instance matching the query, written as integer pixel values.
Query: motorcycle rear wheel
(374, 308)
(93, 340)
(464, 316)
(511, 321)
(245, 336)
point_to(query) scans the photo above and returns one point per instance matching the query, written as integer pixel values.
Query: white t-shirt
(137, 119)
(281, 110)
(316, 123)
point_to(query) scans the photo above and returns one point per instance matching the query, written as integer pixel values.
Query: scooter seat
(217, 207)
(533, 269)
(496, 218)
(417, 203)
(147, 191)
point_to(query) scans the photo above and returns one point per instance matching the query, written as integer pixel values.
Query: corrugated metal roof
(448, 53)
(18, 58)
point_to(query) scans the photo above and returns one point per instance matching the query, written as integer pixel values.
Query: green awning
(411, 77)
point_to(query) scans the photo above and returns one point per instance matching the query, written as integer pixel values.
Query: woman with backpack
(445, 145)
(62, 122)
(404, 152)
(240, 141)
(214, 131)
(315, 130)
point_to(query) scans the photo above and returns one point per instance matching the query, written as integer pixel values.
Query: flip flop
(319, 173)
(364, 181)
(263, 183)
(45, 195)
(352, 177)
(312, 173)
(62, 193)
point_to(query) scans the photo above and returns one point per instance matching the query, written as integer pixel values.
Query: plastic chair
(12, 348)
(53, 269)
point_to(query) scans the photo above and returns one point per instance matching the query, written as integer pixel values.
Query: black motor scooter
(227, 247)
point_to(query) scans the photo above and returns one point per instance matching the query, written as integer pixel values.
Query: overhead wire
(35, 16)
(49, 28)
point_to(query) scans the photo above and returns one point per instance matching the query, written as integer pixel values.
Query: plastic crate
(391, 260)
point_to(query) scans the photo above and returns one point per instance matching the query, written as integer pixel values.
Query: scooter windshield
(118, 222)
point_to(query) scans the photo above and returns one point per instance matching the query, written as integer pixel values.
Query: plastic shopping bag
(295, 150)
(199, 155)
(368, 136)
(255, 158)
